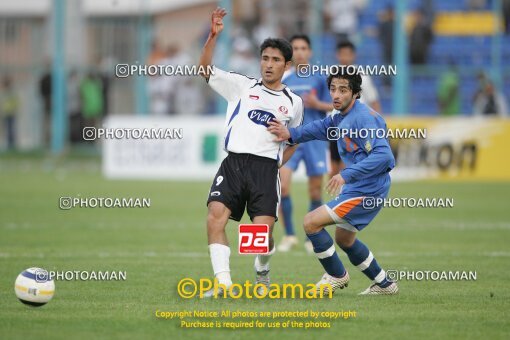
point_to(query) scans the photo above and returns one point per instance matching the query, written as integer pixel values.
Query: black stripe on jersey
(288, 95)
(244, 75)
(258, 83)
(274, 94)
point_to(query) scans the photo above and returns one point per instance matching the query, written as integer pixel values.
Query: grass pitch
(160, 245)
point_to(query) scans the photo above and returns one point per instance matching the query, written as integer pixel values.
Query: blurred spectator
(45, 92)
(343, 16)
(162, 88)
(156, 54)
(420, 39)
(74, 107)
(506, 15)
(91, 94)
(386, 22)
(9, 106)
(346, 55)
(448, 92)
(490, 102)
(476, 5)
(106, 67)
(243, 60)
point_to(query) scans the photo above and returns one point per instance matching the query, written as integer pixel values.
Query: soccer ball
(34, 287)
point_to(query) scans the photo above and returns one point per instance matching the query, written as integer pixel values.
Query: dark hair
(345, 44)
(353, 78)
(301, 37)
(281, 44)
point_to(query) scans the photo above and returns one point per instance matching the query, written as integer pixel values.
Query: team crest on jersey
(261, 117)
(368, 146)
(283, 110)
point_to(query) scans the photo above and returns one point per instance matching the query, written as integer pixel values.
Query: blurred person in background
(74, 107)
(343, 17)
(490, 102)
(317, 101)
(243, 60)
(45, 92)
(346, 55)
(91, 94)
(420, 38)
(448, 91)
(506, 15)
(9, 106)
(386, 22)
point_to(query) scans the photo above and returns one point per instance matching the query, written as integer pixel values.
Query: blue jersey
(368, 160)
(315, 83)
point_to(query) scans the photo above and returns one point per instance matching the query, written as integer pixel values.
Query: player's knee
(215, 217)
(344, 241)
(309, 224)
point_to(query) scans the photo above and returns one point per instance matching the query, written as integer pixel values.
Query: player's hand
(335, 184)
(217, 20)
(310, 100)
(279, 130)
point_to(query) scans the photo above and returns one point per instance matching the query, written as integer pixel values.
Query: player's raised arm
(207, 52)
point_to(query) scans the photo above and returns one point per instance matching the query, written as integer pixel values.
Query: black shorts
(246, 180)
(333, 150)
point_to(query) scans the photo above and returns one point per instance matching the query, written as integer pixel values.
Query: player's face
(346, 56)
(341, 93)
(272, 65)
(301, 52)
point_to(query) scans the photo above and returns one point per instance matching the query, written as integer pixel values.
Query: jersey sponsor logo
(253, 239)
(283, 110)
(254, 97)
(261, 117)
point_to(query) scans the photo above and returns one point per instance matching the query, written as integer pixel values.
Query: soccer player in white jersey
(248, 176)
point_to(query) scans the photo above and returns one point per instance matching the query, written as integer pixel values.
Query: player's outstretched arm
(316, 130)
(207, 52)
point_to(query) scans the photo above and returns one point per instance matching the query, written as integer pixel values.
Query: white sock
(262, 261)
(220, 255)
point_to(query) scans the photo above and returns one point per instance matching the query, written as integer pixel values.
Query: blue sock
(314, 204)
(287, 215)
(361, 257)
(324, 248)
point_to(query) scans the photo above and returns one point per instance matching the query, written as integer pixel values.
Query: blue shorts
(314, 154)
(354, 210)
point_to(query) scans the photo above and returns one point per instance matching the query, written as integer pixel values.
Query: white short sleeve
(297, 120)
(229, 84)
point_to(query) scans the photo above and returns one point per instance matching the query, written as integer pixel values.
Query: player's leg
(289, 240)
(219, 251)
(262, 261)
(225, 201)
(314, 224)
(315, 194)
(350, 217)
(361, 257)
(316, 160)
(262, 207)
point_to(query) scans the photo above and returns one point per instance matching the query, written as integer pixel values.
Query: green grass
(167, 242)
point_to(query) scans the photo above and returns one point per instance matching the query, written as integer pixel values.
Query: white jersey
(251, 105)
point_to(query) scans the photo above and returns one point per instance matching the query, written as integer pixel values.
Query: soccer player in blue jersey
(314, 91)
(368, 161)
